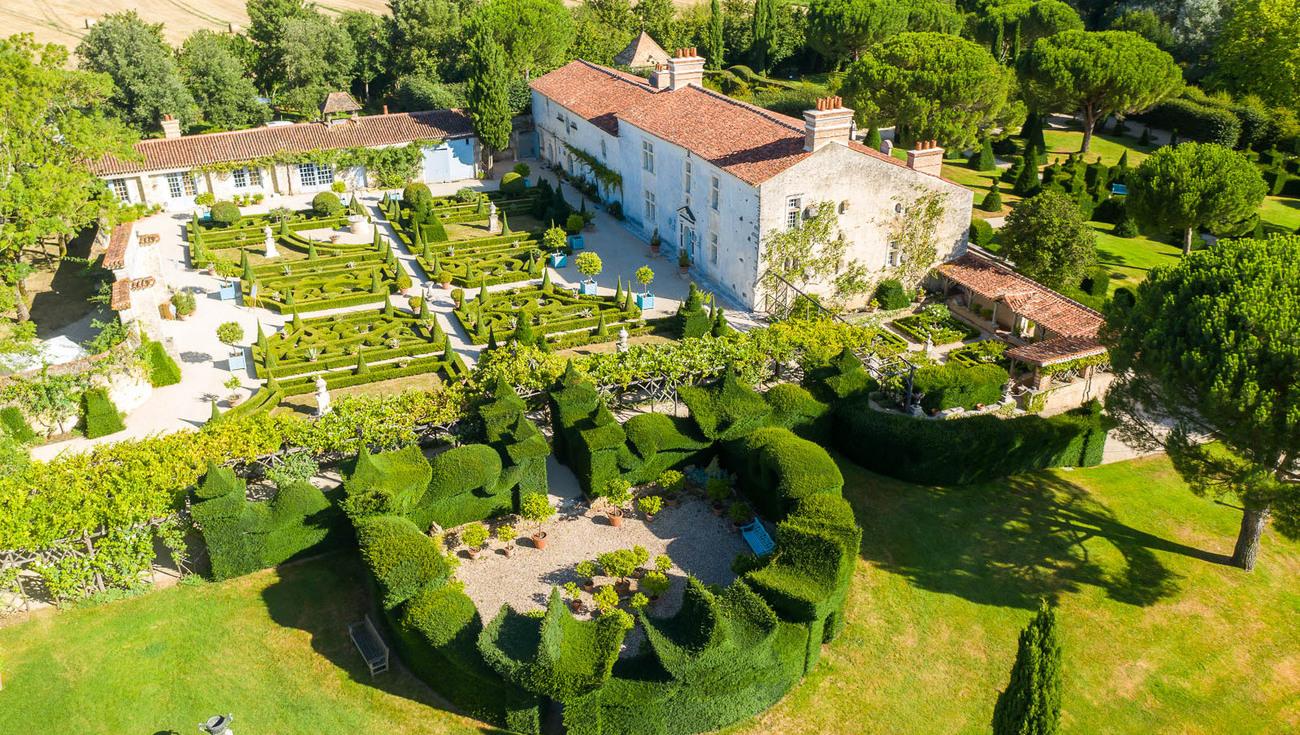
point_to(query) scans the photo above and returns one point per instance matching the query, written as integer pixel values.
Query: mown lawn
(1159, 636)
(1130, 258)
(1061, 143)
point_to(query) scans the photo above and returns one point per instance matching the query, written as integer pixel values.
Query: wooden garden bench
(370, 644)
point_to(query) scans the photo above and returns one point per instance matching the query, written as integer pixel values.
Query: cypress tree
(764, 34)
(524, 330)
(993, 200)
(1031, 703)
(487, 92)
(1032, 131)
(1123, 160)
(998, 40)
(1145, 140)
(714, 45)
(873, 140)
(1015, 44)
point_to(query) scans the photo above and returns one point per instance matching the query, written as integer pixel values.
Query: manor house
(715, 176)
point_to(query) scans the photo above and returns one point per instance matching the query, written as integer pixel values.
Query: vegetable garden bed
(353, 349)
(548, 311)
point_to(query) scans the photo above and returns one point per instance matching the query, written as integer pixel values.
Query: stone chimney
(171, 127)
(831, 122)
(687, 67)
(659, 77)
(926, 156)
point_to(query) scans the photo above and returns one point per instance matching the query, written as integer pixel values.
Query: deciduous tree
(317, 58)
(1207, 352)
(1097, 74)
(219, 83)
(147, 84)
(369, 34)
(52, 128)
(1195, 185)
(1257, 52)
(426, 38)
(945, 88)
(1046, 237)
(266, 19)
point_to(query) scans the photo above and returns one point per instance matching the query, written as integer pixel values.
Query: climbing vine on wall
(608, 178)
(913, 232)
(392, 167)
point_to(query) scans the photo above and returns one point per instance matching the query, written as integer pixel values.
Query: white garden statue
(271, 252)
(622, 339)
(494, 223)
(322, 397)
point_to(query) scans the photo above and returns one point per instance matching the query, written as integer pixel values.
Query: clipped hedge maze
(547, 310)
(725, 655)
(354, 349)
(492, 260)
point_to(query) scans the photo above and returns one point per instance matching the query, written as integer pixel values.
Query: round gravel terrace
(700, 544)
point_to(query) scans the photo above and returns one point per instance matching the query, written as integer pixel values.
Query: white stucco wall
(873, 190)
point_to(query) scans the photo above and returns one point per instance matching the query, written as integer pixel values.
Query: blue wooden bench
(757, 537)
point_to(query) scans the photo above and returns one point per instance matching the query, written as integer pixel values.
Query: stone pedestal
(494, 222)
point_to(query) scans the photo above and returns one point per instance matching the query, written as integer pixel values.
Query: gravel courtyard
(699, 543)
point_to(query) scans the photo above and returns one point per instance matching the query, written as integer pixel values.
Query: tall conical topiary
(492, 338)
(215, 415)
(311, 249)
(296, 322)
(618, 291)
(983, 159)
(1031, 703)
(601, 329)
(505, 225)
(1027, 183)
(524, 334)
(873, 139)
(362, 367)
(246, 266)
(375, 286)
(1123, 160)
(992, 201)
(721, 327)
(1032, 131)
(261, 337)
(547, 286)
(388, 305)
(482, 291)
(424, 310)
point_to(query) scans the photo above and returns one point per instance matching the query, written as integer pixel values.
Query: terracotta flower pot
(717, 509)
(539, 540)
(445, 284)
(473, 553)
(589, 586)
(654, 250)
(615, 518)
(576, 606)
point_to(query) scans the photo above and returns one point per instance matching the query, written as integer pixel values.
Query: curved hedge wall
(966, 450)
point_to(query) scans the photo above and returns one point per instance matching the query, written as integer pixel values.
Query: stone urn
(356, 224)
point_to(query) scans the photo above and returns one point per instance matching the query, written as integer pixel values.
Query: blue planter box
(559, 260)
(228, 293)
(237, 362)
(527, 182)
(575, 242)
(645, 300)
(588, 288)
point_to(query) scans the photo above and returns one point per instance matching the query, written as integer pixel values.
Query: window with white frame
(246, 177)
(713, 248)
(792, 207)
(648, 156)
(686, 173)
(649, 208)
(315, 174)
(119, 189)
(895, 256)
(715, 187)
(180, 185)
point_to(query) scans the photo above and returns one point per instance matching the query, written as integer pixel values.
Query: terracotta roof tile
(1026, 297)
(115, 255)
(190, 151)
(120, 295)
(1056, 350)
(750, 142)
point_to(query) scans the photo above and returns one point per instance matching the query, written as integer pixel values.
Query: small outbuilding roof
(1025, 296)
(643, 52)
(338, 102)
(1056, 350)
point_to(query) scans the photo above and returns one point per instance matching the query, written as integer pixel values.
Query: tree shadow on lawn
(1011, 542)
(322, 596)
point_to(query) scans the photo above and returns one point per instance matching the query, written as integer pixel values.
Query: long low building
(172, 170)
(716, 177)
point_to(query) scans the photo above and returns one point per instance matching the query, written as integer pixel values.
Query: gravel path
(699, 543)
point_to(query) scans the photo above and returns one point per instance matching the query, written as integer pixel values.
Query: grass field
(1159, 636)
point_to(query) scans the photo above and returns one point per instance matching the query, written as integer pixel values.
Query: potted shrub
(586, 569)
(638, 602)
(740, 514)
(474, 536)
(616, 493)
(620, 565)
(523, 170)
(230, 333)
(536, 508)
(644, 276)
(554, 241)
(184, 303)
(663, 564)
(683, 261)
(641, 557)
(671, 483)
(717, 490)
(574, 224)
(575, 596)
(650, 505)
(606, 599)
(506, 534)
(655, 243)
(203, 201)
(589, 265)
(654, 585)
(233, 384)
(444, 278)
